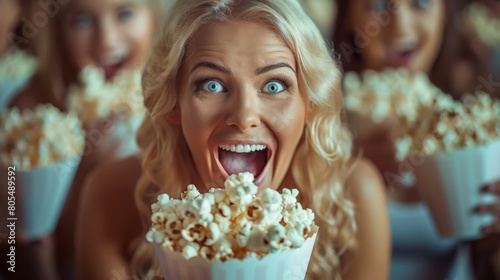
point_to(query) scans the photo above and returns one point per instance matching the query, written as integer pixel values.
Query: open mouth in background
(112, 69)
(400, 54)
(113, 63)
(398, 59)
(237, 158)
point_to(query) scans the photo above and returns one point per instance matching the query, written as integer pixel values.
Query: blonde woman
(113, 35)
(254, 73)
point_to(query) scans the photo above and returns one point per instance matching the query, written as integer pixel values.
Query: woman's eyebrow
(271, 67)
(227, 70)
(211, 65)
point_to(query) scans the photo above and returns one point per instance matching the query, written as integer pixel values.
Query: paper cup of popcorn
(389, 98)
(16, 68)
(9, 88)
(233, 233)
(289, 264)
(44, 191)
(96, 98)
(125, 130)
(455, 150)
(117, 103)
(450, 183)
(45, 146)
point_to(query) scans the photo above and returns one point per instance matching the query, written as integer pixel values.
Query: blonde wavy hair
(322, 158)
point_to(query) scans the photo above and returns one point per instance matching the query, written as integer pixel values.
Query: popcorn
(39, 137)
(391, 92)
(234, 222)
(16, 64)
(479, 20)
(97, 98)
(449, 125)
(277, 239)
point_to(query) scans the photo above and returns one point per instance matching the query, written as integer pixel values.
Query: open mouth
(401, 54)
(111, 70)
(237, 158)
(399, 59)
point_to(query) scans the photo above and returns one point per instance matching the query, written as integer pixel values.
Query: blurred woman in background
(112, 35)
(379, 34)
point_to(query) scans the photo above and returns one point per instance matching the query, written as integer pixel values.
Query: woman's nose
(108, 36)
(402, 23)
(244, 111)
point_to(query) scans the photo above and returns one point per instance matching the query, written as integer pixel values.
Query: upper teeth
(406, 45)
(112, 60)
(242, 148)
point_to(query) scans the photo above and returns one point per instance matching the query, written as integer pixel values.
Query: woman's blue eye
(213, 86)
(82, 20)
(274, 87)
(125, 14)
(380, 5)
(422, 4)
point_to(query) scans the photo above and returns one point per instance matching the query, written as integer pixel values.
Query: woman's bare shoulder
(366, 190)
(108, 220)
(115, 179)
(109, 193)
(365, 179)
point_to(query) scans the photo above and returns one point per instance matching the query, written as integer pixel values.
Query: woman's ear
(174, 116)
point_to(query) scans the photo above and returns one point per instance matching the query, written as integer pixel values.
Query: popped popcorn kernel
(448, 125)
(95, 97)
(17, 63)
(391, 92)
(31, 138)
(235, 222)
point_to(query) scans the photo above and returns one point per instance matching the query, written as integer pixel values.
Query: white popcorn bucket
(126, 131)
(117, 135)
(287, 265)
(44, 191)
(9, 88)
(450, 184)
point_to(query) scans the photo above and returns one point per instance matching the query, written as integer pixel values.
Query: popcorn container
(43, 193)
(125, 130)
(290, 264)
(450, 183)
(8, 89)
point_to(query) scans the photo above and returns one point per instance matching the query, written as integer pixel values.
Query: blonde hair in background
(322, 159)
(322, 12)
(54, 72)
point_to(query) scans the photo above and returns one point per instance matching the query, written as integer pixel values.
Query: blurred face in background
(9, 16)
(397, 33)
(114, 35)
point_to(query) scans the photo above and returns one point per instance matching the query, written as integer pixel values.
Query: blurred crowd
(71, 101)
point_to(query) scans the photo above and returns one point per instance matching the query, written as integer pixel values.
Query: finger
(492, 229)
(492, 188)
(493, 208)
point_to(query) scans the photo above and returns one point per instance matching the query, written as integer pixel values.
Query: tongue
(111, 70)
(235, 163)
